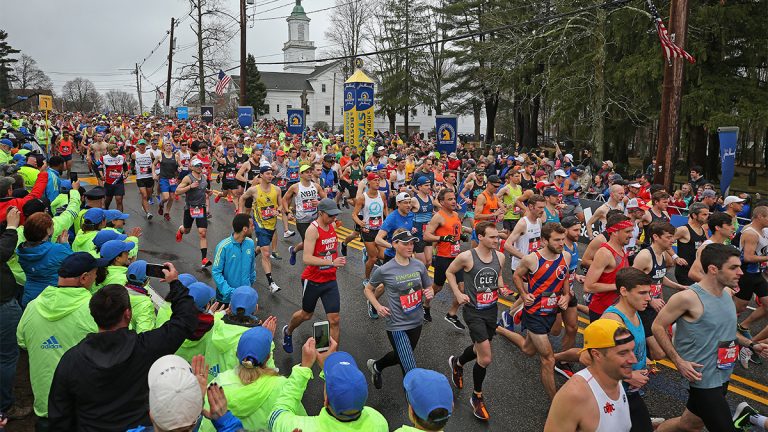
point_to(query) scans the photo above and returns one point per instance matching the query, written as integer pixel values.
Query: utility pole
(333, 105)
(671, 96)
(242, 52)
(170, 65)
(138, 89)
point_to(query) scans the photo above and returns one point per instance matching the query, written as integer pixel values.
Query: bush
(321, 125)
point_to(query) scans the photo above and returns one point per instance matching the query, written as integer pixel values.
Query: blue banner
(729, 135)
(245, 116)
(296, 121)
(445, 126)
(182, 113)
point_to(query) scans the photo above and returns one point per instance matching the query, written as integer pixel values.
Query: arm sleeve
(228, 423)
(38, 190)
(167, 338)
(283, 417)
(65, 220)
(8, 240)
(60, 401)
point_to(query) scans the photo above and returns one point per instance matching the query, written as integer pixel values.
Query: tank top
(113, 168)
(710, 340)
(253, 170)
(292, 171)
(143, 164)
(638, 332)
(509, 201)
(65, 148)
(195, 197)
(761, 249)
(184, 160)
(384, 187)
(355, 174)
(206, 160)
(491, 205)
(601, 301)
(305, 210)
(546, 284)
(527, 184)
(422, 217)
(481, 283)
(654, 218)
(614, 414)
(373, 212)
(475, 192)
(552, 216)
(399, 180)
(265, 207)
(688, 250)
(325, 248)
(451, 226)
(528, 242)
(658, 272)
(168, 167)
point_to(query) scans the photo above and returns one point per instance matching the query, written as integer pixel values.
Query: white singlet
(529, 242)
(373, 212)
(399, 180)
(306, 211)
(614, 414)
(143, 164)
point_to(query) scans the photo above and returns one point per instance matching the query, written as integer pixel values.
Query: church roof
(290, 81)
(298, 10)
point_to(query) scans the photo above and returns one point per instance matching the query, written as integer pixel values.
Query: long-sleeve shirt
(38, 190)
(233, 266)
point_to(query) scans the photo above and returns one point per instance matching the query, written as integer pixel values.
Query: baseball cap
(637, 203)
(202, 294)
(709, 193)
(111, 215)
(79, 263)
(254, 347)
(187, 279)
(422, 181)
(494, 179)
(560, 173)
(570, 221)
(402, 196)
(175, 399)
(372, 176)
(328, 206)
(7, 142)
(345, 385)
(550, 192)
(245, 298)
(329, 157)
(94, 216)
(195, 162)
(732, 199)
(426, 391)
(615, 177)
(111, 249)
(381, 167)
(265, 168)
(404, 237)
(601, 333)
(634, 185)
(568, 157)
(280, 153)
(141, 142)
(381, 149)
(540, 173)
(137, 272)
(452, 156)
(106, 235)
(609, 163)
(304, 168)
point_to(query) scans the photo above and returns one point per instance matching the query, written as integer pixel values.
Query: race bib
(173, 181)
(727, 353)
(455, 249)
(548, 304)
(328, 257)
(144, 170)
(65, 150)
(374, 223)
(307, 205)
(409, 302)
(115, 174)
(268, 213)
(533, 245)
(294, 175)
(230, 176)
(655, 290)
(281, 183)
(487, 299)
(197, 212)
(356, 182)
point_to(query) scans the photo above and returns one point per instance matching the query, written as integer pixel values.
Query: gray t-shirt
(403, 287)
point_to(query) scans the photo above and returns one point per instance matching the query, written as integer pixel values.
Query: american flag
(670, 49)
(160, 94)
(224, 80)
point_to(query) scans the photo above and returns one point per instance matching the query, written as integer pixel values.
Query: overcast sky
(96, 38)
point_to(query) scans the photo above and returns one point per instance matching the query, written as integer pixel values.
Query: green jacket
(252, 403)
(5, 157)
(30, 176)
(52, 323)
(221, 349)
(115, 275)
(189, 348)
(143, 311)
(84, 243)
(285, 419)
(406, 428)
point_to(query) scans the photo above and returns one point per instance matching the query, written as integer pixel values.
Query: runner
(569, 317)
(329, 178)
(689, 238)
(754, 256)
(64, 147)
(571, 190)
(373, 208)
(657, 212)
(168, 164)
(487, 208)
(194, 188)
(548, 289)
(114, 166)
(321, 260)
(229, 167)
(303, 197)
(481, 268)
(144, 160)
(95, 151)
(509, 195)
(474, 185)
(601, 276)
(615, 202)
(405, 282)
(609, 346)
(554, 208)
(705, 346)
(350, 178)
(423, 207)
(721, 226)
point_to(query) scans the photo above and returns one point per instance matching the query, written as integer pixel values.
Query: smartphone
(156, 270)
(322, 333)
(72, 176)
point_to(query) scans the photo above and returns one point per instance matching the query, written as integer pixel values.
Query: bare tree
(80, 94)
(434, 65)
(121, 102)
(28, 76)
(346, 30)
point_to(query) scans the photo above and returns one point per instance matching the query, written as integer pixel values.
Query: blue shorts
(166, 186)
(66, 158)
(263, 236)
(474, 236)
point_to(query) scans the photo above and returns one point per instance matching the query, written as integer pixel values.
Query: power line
(310, 12)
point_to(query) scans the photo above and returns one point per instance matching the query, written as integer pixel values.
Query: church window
(327, 110)
(277, 108)
(288, 106)
(413, 112)
(429, 112)
(323, 88)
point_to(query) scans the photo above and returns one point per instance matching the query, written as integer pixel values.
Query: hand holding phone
(156, 270)
(322, 334)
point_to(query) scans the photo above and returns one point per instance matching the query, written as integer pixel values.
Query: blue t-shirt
(394, 221)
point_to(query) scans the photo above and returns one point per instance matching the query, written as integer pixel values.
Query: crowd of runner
(103, 346)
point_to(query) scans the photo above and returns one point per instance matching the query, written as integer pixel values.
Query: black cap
(551, 192)
(79, 263)
(97, 192)
(33, 206)
(329, 157)
(494, 179)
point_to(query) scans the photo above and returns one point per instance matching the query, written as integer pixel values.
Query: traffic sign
(45, 103)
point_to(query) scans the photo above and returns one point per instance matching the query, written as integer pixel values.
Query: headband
(619, 226)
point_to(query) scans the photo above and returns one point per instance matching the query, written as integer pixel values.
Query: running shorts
(145, 182)
(481, 323)
(201, 222)
(166, 186)
(539, 324)
(711, 406)
(302, 228)
(117, 189)
(370, 236)
(441, 266)
(327, 292)
(752, 283)
(263, 236)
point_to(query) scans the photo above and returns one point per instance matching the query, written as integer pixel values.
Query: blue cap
(111, 249)
(254, 347)
(28, 146)
(6, 141)
(551, 192)
(202, 294)
(187, 279)
(259, 147)
(111, 215)
(79, 263)
(422, 180)
(94, 215)
(137, 272)
(106, 235)
(245, 298)
(427, 391)
(380, 167)
(345, 385)
(65, 185)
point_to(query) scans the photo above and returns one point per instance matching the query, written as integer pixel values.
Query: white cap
(381, 148)
(175, 399)
(732, 199)
(402, 196)
(568, 157)
(634, 185)
(520, 159)
(560, 173)
(393, 156)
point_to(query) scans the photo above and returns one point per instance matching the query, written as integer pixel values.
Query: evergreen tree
(6, 71)
(255, 90)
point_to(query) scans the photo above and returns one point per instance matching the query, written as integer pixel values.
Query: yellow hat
(602, 334)
(304, 168)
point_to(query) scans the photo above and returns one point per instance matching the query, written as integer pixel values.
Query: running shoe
(176, 197)
(292, 259)
(167, 217)
(217, 199)
(287, 340)
(149, 216)
(744, 331)
(742, 415)
(457, 372)
(289, 233)
(564, 369)
(375, 375)
(160, 209)
(478, 407)
(427, 315)
(343, 248)
(179, 234)
(454, 320)
(372, 313)
(744, 355)
(507, 321)
(206, 263)
(229, 198)
(151, 200)
(275, 256)
(273, 288)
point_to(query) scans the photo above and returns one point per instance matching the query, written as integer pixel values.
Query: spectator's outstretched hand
(13, 217)
(270, 324)
(200, 369)
(217, 402)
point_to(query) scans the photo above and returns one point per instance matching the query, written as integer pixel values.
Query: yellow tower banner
(358, 109)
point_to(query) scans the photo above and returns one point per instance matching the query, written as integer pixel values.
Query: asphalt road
(514, 395)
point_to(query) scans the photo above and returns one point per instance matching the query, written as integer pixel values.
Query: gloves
(464, 237)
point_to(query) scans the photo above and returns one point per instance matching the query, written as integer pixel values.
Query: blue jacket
(54, 183)
(226, 423)
(41, 265)
(233, 266)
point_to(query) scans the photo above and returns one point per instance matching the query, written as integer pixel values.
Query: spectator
(136, 283)
(203, 295)
(430, 400)
(598, 186)
(7, 199)
(100, 384)
(114, 249)
(677, 205)
(94, 198)
(697, 177)
(94, 220)
(687, 194)
(709, 199)
(233, 264)
(39, 257)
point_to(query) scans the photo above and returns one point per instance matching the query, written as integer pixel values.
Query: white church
(324, 86)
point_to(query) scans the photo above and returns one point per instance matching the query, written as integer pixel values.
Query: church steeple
(299, 47)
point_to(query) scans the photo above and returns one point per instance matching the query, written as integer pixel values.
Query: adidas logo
(214, 370)
(51, 343)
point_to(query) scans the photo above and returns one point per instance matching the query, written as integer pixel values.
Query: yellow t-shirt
(265, 207)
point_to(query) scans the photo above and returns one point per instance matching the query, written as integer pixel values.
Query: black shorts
(539, 324)
(145, 183)
(327, 292)
(638, 413)
(302, 228)
(481, 323)
(594, 316)
(117, 189)
(229, 185)
(711, 406)
(646, 317)
(201, 222)
(66, 158)
(681, 275)
(418, 247)
(752, 283)
(370, 236)
(441, 266)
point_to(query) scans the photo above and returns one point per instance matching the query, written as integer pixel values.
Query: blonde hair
(250, 375)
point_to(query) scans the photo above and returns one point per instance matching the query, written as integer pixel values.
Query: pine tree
(6, 72)
(255, 90)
